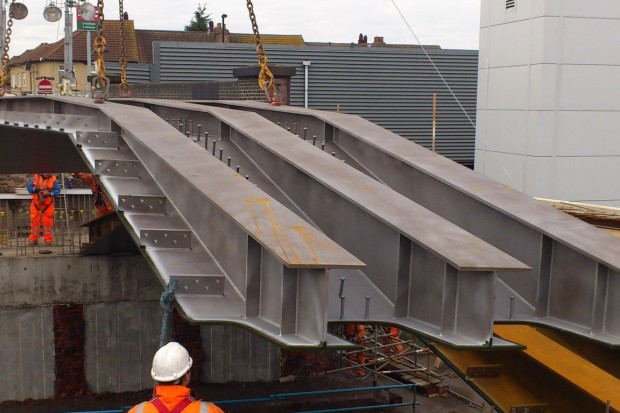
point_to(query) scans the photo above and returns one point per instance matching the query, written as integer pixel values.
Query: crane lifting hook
(265, 78)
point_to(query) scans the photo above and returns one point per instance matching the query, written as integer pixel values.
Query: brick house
(47, 59)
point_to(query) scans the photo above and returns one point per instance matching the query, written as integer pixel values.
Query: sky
(451, 24)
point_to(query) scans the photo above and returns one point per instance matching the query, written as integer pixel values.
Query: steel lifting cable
(265, 77)
(124, 90)
(101, 83)
(458, 102)
(5, 51)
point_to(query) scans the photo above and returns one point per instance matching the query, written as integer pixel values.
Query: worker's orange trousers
(356, 333)
(45, 217)
(393, 338)
(103, 210)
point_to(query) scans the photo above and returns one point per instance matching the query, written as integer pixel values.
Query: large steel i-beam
(575, 266)
(289, 235)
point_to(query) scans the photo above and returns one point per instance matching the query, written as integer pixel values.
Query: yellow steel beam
(564, 362)
(562, 371)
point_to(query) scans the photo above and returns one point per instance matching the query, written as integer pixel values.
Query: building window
(61, 70)
(19, 81)
(24, 80)
(13, 81)
(510, 4)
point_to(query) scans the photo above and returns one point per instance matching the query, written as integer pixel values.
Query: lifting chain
(124, 91)
(265, 77)
(101, 83)
(5, 51)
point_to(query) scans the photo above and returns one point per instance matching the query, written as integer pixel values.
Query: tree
(200, 22)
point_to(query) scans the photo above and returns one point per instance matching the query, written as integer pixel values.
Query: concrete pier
(75, 324)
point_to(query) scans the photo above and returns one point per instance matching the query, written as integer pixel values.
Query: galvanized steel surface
(188, 175)
(276, 144)
(376, 224)
(575, 265)
(210, 198)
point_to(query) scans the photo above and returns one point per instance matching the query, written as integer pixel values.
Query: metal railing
(285, 396)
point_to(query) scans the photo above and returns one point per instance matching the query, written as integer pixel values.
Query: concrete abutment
(74, 324)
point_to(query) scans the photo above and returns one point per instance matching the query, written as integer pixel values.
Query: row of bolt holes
(165, 235)
(181, 124)
(26, 125)
(103, 142)
(196, 281)
(116, 164)
(190, 133)
(141, 200)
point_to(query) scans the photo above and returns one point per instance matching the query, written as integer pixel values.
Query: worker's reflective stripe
(140, 407)
(204, 407)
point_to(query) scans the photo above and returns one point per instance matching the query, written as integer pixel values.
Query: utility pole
(68, 72)
(2, 24)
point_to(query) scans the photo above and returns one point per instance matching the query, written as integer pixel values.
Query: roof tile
(111, 33)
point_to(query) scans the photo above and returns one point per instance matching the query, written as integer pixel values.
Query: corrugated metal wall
(391, 87)
(136, 73)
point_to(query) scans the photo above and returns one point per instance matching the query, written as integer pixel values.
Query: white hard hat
(170, 362)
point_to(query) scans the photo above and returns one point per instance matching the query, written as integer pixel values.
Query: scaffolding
(382, 352)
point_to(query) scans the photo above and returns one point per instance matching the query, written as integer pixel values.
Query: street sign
(45, 87)
(87, 26)
(90, 26)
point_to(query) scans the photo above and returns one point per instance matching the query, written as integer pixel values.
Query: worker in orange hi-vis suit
(394, 339)
(102, 203)
(356, 333)
(43, 187)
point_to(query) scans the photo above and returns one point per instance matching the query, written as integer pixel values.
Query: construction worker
(43, 187)
(170, 370)
(393, 338)
(356, 333)
(102, 203)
